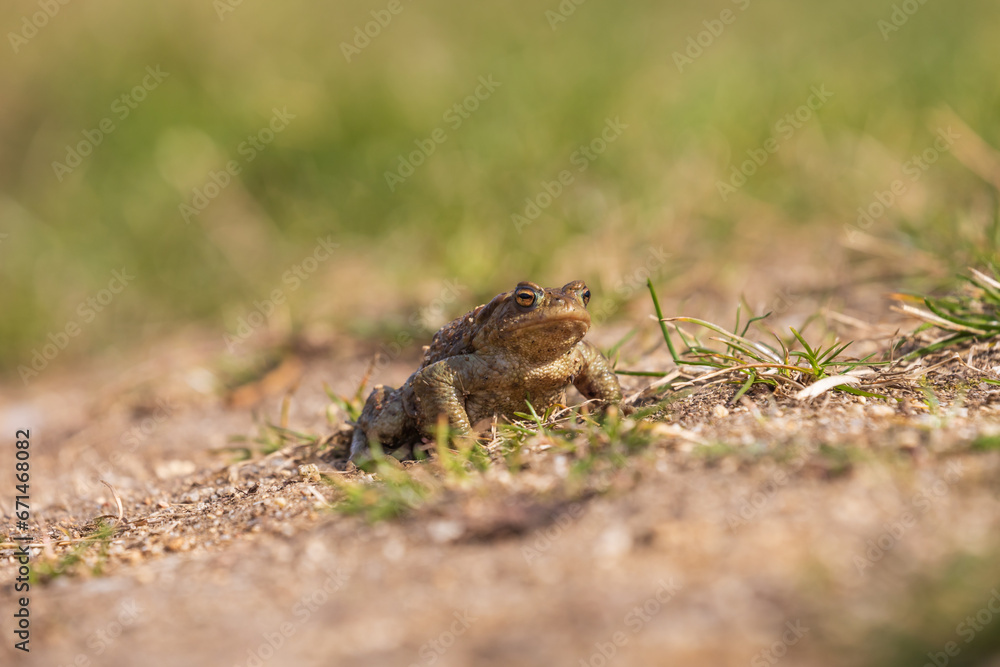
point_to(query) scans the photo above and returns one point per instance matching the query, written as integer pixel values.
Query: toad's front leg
(597, 378)
(442, 389)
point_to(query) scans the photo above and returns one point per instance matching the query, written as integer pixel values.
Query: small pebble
(309, 472)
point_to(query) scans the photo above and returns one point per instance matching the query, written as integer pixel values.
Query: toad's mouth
(551, 320)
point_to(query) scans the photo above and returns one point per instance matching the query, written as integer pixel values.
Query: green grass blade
(663, 324)
(751, 377)
(803, 343)
(931, 306)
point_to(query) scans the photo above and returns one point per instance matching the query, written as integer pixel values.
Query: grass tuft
(45, 571)
(747, 362)
(961, 318)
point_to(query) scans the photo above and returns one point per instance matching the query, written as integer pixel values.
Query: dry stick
(723, 379)
(968, 364)
(667, 379)
(912, 373)
(950, 359)
(319, 496)
(287, 449)
(39, 545)
(741, 368)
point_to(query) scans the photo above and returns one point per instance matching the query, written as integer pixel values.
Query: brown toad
(526, 344)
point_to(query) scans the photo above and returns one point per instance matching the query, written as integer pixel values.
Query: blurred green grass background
(324, 174)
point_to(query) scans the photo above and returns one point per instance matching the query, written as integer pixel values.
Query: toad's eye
(525, 297)
(586, 297)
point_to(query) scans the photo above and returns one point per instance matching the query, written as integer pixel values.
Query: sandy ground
(740, 534)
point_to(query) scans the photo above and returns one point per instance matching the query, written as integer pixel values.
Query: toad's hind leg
(359, 445)
(383, 420)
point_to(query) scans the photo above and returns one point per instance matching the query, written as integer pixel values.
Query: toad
(524, 345)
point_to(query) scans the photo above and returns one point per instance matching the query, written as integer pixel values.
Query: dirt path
(734, 535)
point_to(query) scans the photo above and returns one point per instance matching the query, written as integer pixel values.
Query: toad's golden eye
(525, 297)
(586, 297)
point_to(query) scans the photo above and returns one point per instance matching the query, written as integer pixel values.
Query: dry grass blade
(982, 277)
(820, 387)
(931, 318)
(736, 369)
(118, 502)
(653, 386)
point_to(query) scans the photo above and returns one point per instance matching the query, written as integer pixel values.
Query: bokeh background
(563, 70)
